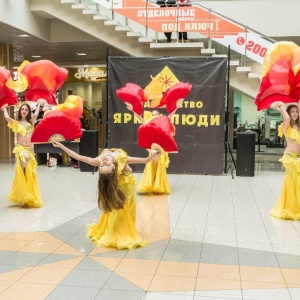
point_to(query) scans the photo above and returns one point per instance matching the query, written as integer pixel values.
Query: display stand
(229, 162)
(259, 132)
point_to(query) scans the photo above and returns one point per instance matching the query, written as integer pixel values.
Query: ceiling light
(23, 35)
(35, 56)
(81, 53)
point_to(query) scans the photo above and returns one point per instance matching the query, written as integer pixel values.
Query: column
(6, 136)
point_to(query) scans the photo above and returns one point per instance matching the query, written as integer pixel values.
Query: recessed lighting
(36, 56)
(81, 53)
(23, 35)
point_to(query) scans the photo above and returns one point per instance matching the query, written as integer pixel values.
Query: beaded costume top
(290, 133)
(19, 128)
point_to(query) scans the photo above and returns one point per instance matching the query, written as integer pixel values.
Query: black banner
(199, 123)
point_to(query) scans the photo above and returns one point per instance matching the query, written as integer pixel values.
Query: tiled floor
(211, 239)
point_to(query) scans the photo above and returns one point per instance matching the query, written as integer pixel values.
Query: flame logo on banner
(159, 84)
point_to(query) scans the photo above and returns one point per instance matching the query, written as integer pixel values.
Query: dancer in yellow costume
(25, 190)
(288, 205)
(154, 178)
(116, 198)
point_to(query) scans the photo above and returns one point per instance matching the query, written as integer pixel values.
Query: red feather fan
(294, 82)
(274, 86)
(73, 106)
(56, 125)
(34, 95)
(160, 131)
(178, 91)
(134, 95)
(280, 75)
(44, 79)
(7, 96)
(269, 93)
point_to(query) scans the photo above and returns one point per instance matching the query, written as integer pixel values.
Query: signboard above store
(87, 74)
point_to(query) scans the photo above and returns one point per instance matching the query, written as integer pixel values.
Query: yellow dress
(117, 228)
(288, 204)
(25, 188)
(154, 178)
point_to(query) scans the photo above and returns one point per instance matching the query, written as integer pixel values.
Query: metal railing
(108, 11)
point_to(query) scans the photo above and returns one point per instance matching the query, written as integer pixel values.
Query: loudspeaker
(235, 118)
(245, 154)
(88, 146)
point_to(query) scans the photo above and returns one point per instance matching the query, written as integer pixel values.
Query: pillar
(6, 136)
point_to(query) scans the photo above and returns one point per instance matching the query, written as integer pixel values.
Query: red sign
(168, 19)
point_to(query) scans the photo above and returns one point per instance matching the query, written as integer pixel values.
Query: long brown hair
(28, 117)
(110, 194)
(288, 110)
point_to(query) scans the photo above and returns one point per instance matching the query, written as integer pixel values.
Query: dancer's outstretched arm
(37, 110)
(140, 118)
(172, 114)
(89, 160)
(95, 161)
(278, 105)
(6, 115)
(143, 160)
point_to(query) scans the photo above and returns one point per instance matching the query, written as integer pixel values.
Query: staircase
(143, 41)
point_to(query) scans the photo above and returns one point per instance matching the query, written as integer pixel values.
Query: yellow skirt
(154, 178)
(288, 205)
(25, 188)
(117, 228)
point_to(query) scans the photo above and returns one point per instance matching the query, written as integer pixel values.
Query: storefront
(90, 84)
(265, 123)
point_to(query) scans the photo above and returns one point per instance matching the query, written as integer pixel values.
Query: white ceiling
(61, 53)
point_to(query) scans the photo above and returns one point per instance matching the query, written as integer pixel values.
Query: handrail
(226, 18)
(209, 35)
(235, 22)
(210, 11)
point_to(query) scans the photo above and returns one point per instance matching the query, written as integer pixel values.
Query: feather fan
(58, 126)
(133, 96)
(7, 96)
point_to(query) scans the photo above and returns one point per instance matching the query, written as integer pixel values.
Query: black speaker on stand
(88, 146)
(245, 154)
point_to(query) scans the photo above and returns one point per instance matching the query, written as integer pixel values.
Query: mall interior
(212, 238)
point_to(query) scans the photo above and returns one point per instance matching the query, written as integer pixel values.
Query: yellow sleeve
(16, 127)
(122, 161)
(280, 131)
(290, 133)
